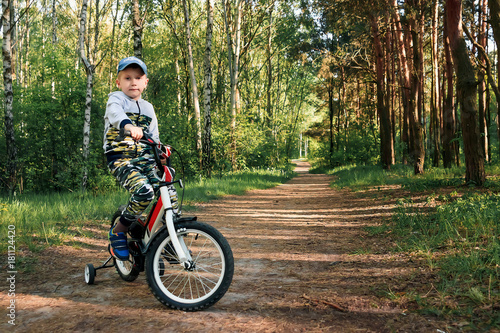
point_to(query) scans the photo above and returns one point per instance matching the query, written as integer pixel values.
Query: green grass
(42, 220)
(466, 234)
(54, 219)
(457, 234)
(360, 177)
(236, 183)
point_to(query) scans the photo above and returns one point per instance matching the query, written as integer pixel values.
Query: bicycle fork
(178, 242)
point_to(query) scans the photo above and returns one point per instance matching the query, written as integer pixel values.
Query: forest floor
(303, 263)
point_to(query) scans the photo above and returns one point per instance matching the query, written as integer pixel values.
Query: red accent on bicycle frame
(154, 214)
(166, 151)
(168, 174)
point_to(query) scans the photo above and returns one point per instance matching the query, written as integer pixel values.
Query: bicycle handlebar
(147, 140)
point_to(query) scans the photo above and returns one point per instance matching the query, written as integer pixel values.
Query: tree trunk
(449, 120)
(386, 143)
(331, 111)
(235, 92)
(417, 150)
(137, 24)
(207, 139)
(89, 70)
(404, 79)
(26, 63)
(391, 83)
(169, 15)
(338, 105)
(269, 106)
(482, 106)
(234, 65)
(434, 105)
(467, 94)
(498, 107)
(229, 39)
(54, 22)
(13, 37)
(8, 98)
(112, 71)
(494, 6)
(194, 85)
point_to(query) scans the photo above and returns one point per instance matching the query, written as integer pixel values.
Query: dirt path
(302, 264)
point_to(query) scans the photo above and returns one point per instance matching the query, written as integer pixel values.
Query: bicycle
(189, 265)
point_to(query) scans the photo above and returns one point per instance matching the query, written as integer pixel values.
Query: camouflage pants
(137, 176)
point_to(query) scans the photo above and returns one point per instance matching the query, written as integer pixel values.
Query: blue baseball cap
(125, 62)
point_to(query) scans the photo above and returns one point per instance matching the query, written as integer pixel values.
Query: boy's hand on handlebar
(135, 132)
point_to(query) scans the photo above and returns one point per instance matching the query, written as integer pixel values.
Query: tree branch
(19, 18)
(481, 49)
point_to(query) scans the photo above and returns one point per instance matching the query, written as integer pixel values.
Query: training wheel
(89, 274)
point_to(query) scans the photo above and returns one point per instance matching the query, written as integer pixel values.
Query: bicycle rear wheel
(127, 270)
(205, 282)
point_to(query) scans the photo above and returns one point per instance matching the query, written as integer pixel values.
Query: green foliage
(359, 146)
(49, 138)
(50, 87)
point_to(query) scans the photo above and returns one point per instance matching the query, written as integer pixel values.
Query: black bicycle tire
(227, 275)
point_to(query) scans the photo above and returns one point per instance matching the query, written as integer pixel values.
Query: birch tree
(207, 89)
(233, 52)
(115, 31)
(168, 15)
(194, 86)
(137, 23)
(89, 70)
(54, 22)
(7, 26)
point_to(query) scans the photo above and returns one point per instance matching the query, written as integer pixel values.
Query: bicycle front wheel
(199, 286)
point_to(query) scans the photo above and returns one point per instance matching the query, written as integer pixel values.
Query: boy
(129, 161)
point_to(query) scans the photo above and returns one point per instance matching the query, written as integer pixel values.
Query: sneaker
(118, 242)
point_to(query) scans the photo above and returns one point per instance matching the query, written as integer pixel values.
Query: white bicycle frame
(164, 209)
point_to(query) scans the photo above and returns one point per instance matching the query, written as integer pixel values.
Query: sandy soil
(303, 263)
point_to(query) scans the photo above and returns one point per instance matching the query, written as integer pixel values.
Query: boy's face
(132, 81)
